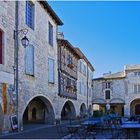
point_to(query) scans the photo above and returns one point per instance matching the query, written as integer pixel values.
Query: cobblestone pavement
(42, 131)
(34, 132)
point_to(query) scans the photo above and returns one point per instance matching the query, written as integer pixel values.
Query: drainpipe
(16, 59)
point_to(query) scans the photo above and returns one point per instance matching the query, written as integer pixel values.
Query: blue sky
(108, 33)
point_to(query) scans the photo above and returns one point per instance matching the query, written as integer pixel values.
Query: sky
(108, 33)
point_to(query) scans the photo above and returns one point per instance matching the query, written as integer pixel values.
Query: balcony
(70, 92)
(68, 95)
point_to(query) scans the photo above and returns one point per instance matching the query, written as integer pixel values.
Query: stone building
(118, 92)
(38, 79)
(38, 97)
(84, 84)
(73, 67)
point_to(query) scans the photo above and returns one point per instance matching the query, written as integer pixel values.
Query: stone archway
(1, 119)
(68, 111)
(135, 107)
(39, 110)
(83, 110)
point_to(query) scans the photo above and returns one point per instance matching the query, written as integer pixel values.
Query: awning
(99, 101)
(117, 101)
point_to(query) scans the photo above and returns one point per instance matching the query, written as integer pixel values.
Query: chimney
(60, 35)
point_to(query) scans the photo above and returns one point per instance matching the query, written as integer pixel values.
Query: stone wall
(123, 89)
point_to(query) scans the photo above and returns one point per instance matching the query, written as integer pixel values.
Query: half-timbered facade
(67, 67)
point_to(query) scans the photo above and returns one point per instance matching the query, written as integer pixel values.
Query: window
(85, 90)
(79, 66)
(50, 70)
(79, 87)
(30, 14)
(107, 94)
(29, 60)
(69, 60)
(136, 89)
(108, 85)
(137, 73)
(1, 47)
(84, 69)
(68, 82)
(50, 34)
(90, 75)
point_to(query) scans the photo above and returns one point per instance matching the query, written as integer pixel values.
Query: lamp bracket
(22, 32)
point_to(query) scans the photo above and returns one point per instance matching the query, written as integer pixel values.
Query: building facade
(84, 84)
(118, 92)
(38, 99)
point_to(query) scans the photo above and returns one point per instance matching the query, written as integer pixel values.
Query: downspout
(16, 59)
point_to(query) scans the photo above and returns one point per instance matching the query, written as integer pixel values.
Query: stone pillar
(6, 124)
(126, 110)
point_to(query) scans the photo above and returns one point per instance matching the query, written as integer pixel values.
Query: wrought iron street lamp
(24, 40)
(25, 43)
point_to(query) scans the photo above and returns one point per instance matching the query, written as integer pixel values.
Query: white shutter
(135, 88)
(138, 88)
(79, 87)
(29, 62)
(51, 70)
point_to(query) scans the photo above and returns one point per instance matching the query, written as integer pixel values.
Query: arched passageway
(1, 118)
(68, 111)
(82, 110)
(135, 107)
(39, 110)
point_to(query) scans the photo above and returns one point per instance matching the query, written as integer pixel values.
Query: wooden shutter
(1, 47)
(138, 88)
(29, 63)
(135, 88)
(51, 70)
(50, 34)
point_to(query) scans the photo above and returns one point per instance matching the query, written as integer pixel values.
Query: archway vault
(39, 110)
(135, 107)
(68, 111)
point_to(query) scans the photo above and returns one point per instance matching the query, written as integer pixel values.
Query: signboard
(14, 122)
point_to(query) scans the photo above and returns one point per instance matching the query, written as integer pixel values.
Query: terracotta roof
(51, 11)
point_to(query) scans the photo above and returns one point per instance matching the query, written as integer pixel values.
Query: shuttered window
(30, 14)
(79, 87)
(1, 47)
(50, 70)
(136, 89)
(29, 62)
(50, 34)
